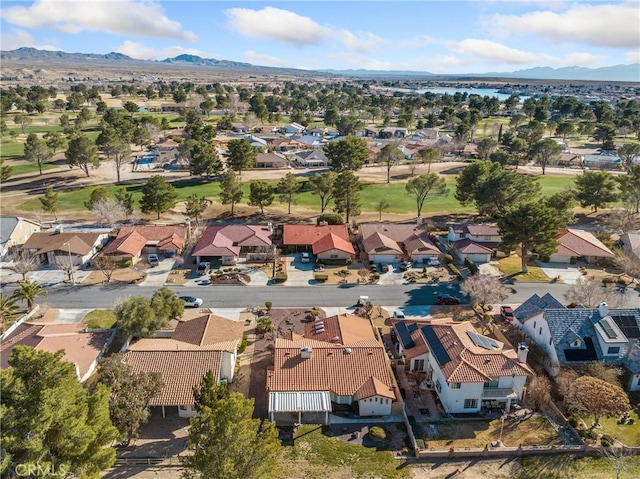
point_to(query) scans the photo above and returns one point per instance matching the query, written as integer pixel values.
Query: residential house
(311, 158)
(288, 144)
(81, 347)
(393, 132)
(271, 160)
(337, 360)
(257, 143)
(292, 129)
(390, 243)
(166, 151)
(606, 160)
(468, 371)
(371, 132)
(310, 141)
(580, 245)
(630, 243)
(175, 107)
(53, 247)
(226, 243)
(328, 242)
(478, 243)
(425, 134)
(577, 336)
(208, 343)
(134, 241)
(14, 231)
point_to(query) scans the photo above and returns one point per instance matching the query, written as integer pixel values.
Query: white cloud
(363, 42)
(266, 60)
(17, 38)
(579, 59)
(123, 17)
(494, 51)
(605, 25)
(633, 56)
(145, 52)
(357, 61)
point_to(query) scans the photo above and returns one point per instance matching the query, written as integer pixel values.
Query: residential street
(292, 296)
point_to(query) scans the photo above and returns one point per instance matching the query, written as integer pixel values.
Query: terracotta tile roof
(581, 243)
(382, 235)
(470, 247)
(167, 143)
(227, 240)
(130, 244)
(174, 241)
(354, 363)
(330, 242)
(378, 243)
(306, 235)
(420, 346)
(155, 233)
(180, 370)
(81, 348)
(420, 244)
(46, 241)
(207, 330)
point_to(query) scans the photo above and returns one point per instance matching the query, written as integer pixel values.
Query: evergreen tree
(322, 185)
(288, 186)
(158, 195)
(125, 199)
(596, 189)
(423, 186)
(83, 153)
(346, 194)
(347, 154)
(241, 155)
(195, 206)
(230, 189)
(36, 151)
(49, 201)
(260, 194)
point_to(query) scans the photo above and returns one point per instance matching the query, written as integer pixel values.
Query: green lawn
(394, 193)
(567, 466)
(324, 453)
(513, 265)
(11, 150)
(628, 434)
(30, 168)
(100, 318)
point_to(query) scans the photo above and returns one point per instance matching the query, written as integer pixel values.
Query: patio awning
(299, 401)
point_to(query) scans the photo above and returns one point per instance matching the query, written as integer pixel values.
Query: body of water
(470, 91)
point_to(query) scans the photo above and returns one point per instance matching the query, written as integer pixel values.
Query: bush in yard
(622, 282)
(321, 277)
(573, 260)
(268, 305)
(471, 265)
(604, 442)
(607, 280)
(574, 422)
(378, 434)
(280, 277)
(243, 345)
(330, 218)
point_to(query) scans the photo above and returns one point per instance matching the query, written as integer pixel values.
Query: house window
(550, 341)
(333, 256)
(438, 385)
(463, 235)
(540, 331)
(375, 399)
(470, 403)
(493, 384)
(613, 350)
(455, 386)
(487, 238)
(534, 324)
(418, 365)
(576, 343)
(183, 408)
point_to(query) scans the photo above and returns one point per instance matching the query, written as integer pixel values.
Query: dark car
(507, 313)
(384, 267)
(447, 299)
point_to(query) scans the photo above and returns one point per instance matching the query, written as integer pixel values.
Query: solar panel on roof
(608, 329)
(587, 354)
(628, 325)
(482, 341)
(412, 327)
(405, 336)
(441, 354)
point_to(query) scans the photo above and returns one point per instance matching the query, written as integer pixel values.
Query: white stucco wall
(334, 254)
(634, 383)
(537, 329)
(384, 258)
(188, 411)
(374, 406)
(227, 366)
(424, 356)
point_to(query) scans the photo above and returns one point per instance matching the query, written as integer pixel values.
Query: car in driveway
(406, 265)
(398, 314)
(191, 301)
(204, 268)
(447, 299)
(153, 259)
(384, 267)
(507, 313)
(305, 257)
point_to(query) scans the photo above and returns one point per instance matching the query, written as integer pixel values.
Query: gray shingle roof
(535, 304)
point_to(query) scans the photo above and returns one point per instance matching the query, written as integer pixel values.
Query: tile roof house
(226, 243)
(630, 242)
(81, 347)
(579, 244)
(14, 231)
(337, 360)
(203, 344)
(56, 246)
(271, 160)
(390, 243)
(475, 242)
(133, 241)
(325, 241)
(576, 336)
(469, 371)
(311, 158)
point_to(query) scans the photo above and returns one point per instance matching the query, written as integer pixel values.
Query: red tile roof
(129, 245)
(332, 242)
(468, 246)
(306, 235)
(227, 240)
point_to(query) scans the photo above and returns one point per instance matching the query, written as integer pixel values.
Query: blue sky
(436, 36)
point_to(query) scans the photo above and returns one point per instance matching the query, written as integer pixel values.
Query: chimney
(523, 350)
(603, 310)
(305, 352)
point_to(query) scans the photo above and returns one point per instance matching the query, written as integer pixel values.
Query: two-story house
(475, 242)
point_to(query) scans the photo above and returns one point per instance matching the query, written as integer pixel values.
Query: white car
(305, 257)
(191, 301)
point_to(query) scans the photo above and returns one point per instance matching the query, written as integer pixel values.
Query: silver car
(191, 301)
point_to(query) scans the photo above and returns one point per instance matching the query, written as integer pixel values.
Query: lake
(470, 91)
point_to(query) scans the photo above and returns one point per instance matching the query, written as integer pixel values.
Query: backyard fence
(489, 451)
(18, 322)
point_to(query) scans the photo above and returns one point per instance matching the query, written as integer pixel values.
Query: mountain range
(618, 73)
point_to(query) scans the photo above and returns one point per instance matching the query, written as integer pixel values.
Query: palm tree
(9, 310)
(29, 291)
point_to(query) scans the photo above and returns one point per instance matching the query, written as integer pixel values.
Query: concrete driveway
(393, 276)
(298, 274)
(71, 315)
(46, 275)
(157, 276)
(568, 273)
(412, 311)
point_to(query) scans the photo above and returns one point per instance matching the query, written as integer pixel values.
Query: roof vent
(369, 353)
(305, 352)
(486, 360)
(287, 353)
(347, 350)
(335, 338)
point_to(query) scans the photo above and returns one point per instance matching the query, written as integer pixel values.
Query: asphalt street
(291, 296)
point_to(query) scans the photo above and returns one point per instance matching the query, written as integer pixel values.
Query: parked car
(384, 267)
(447, 299)
(433, 262)
(406, 265)
(507, 313)
(398, 315)
(153, 259)
(362, 300)
(305, 257)
(191, 301)
(204, 268)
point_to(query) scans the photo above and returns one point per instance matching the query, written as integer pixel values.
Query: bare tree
(484, 289)
(109, 211)
(364, 274)
(564, 379)
(106, 264)
(589, 293)
(65, 263)
(628, 262)
(619, 458)
(623, 220)
(539, 391)
(23, 262)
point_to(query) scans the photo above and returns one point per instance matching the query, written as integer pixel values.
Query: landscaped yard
(100, 319)
(628, 434)
(533, 431)
(315, 454)
(513, 265)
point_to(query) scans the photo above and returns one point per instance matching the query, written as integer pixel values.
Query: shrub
(280, 277)
(321, 277)
(573, 422)
(243, 345)
(604, 442)
(420, 444)
(471, 265)
(375, 276)
(268, 305)
(330, 218)
(607, 280)
(622, 281)
(448, 259)
(348, 261)
(125, 263)
(378, 434)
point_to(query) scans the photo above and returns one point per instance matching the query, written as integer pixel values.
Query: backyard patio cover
(299, 401)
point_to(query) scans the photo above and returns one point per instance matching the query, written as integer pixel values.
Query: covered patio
(300, 407)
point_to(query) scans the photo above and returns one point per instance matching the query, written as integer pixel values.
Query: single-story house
(371, 132)
(604, 161)
(576, 336)
(338, 360)
(196, 347)
(53, 247)
(134, 241)
(225, 243)
(333, 247)
(582, 245)
(310, 141)
(468, 371)
(311, 158)
(292, 129)
(305, 237)
(390, 242)
(81, 347)
(393, 132)
(288, 144)
(175, 107)
(15, 231)
(630, 243)
(271, 160)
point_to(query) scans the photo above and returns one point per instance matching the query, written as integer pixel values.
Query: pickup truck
(153, 259)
